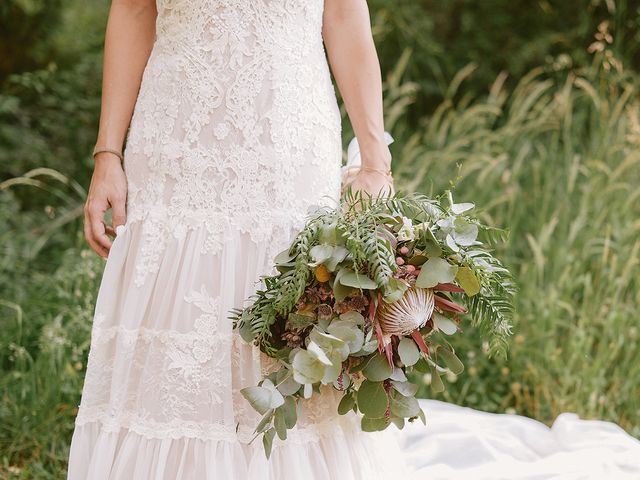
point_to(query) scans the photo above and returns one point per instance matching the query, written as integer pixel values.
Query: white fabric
(235, 136)
(461, 443)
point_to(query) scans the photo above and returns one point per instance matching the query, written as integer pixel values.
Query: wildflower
(406, 232)
(322, 274)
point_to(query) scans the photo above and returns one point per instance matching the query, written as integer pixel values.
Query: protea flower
(405, 315)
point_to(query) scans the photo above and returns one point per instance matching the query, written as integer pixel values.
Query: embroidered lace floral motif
(235, 133)
(236, 124)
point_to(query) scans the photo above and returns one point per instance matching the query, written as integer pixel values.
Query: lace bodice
(236, 124)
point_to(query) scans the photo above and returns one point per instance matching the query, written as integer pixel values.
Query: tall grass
(557, 161)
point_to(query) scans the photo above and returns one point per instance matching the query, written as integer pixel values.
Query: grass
(557, 161)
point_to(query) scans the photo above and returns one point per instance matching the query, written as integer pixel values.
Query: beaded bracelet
(96, 151)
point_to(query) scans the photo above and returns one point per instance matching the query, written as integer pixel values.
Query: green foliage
(43, 350)
(494, 36)
(25, 27)
(558, 162)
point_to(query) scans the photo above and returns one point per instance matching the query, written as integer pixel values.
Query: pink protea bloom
(407, 314)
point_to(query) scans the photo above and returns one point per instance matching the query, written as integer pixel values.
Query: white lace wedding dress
(234, 136)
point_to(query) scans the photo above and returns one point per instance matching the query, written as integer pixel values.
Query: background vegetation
(528, 108)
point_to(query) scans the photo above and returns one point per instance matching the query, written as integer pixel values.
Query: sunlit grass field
(557, 162)
(553, 157)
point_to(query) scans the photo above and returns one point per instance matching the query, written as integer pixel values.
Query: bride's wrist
(378, 157)
(374, 151)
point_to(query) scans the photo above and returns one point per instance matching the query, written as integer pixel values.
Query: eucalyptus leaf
(307, 368)
(308, 390)
(329, 343)
(397, 421)
(372, 399)
(351, 278)
(352, 316)
(404, 406)
(434, 271)
(320, 253)
(465, 233)
(340, 291)
(451, 243)
(408, 351)
(284, 258)
(346, 381)
(369, 424)
(279, 424)
(432, 249)
(262, 398)
(346, 403)
(422, 417)
(287, 385)
(418, 260)
(368, 348)
(459, 208)
(468, 281)
(398, 375)
(323, 323)
(319, 352)
(338, 255)
(444, 324)
(289, 412)
(407, 389)
(348, 332)
(394, 290)
(377, 368)
(265, 421)
(332, 372)
(358, 366)
(267, 441)
(328, 233)
(436, 382)
(421, 365)
(452, 361)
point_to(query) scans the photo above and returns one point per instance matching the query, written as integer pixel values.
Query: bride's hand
(375, 183)
(108, 189)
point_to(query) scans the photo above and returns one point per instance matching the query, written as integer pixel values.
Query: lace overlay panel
(164, 361)
(236, 123)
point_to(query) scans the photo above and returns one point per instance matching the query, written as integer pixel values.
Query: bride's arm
(354, 62)
(128, 41)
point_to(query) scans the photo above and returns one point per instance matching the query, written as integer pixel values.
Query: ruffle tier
(161, 396)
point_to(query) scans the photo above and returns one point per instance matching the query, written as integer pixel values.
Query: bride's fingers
(89, 236)
(97, 237)
(109, 230)
(99, 230)
(118, 210)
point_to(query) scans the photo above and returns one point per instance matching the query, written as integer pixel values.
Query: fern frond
(492, 316)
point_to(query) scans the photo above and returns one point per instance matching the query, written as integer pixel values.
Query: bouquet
(367, 293)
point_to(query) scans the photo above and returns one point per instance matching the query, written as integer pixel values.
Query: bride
(219, 131)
